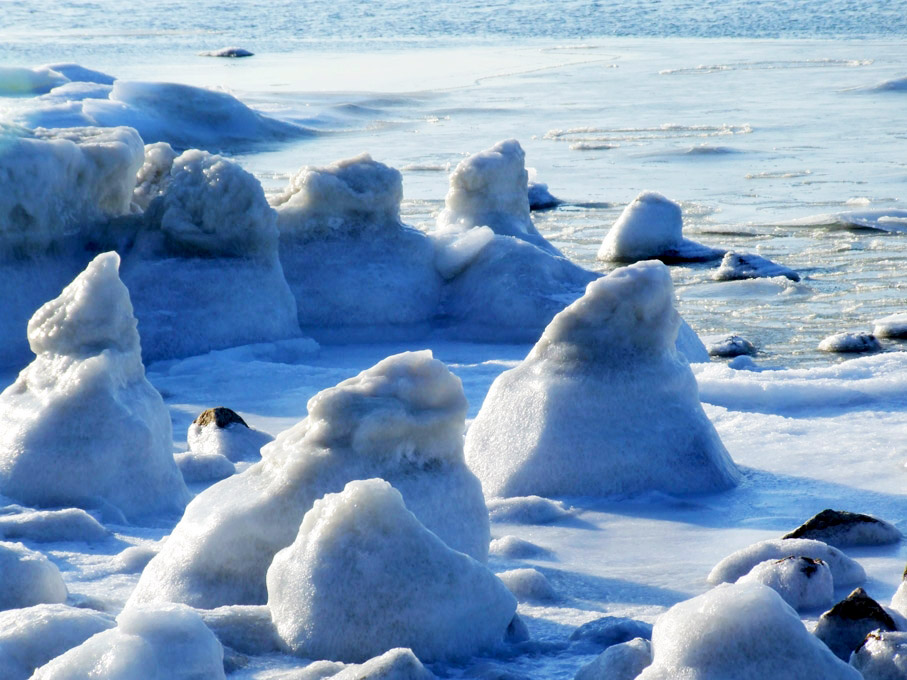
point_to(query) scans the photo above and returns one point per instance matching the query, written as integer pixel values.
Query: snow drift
(29, 578)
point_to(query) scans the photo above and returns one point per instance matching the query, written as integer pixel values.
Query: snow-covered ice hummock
(742, 631)
(802, 582)
(736, 266)
(401, 420)
(731, 346)
(604, 404)
(850, 343)
(166, 643)
(365, 576)
(651, 226)
(28, 578)
(353, 266)
(844, 626)
(891, 326)
(539, 196)
(222, 431)
(204, 270)
(623, 661)
(883, 656)
(84, 409)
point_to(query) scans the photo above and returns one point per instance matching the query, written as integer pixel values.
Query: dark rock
(220, 416)
(844, 626)
(228, 52)
(842, 529)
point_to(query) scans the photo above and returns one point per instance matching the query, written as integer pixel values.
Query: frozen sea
(778, 127)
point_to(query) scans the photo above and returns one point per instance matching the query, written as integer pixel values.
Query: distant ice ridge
(401, 420)
(19, 80)
(891, 220)
(604, 404)
(84, 409)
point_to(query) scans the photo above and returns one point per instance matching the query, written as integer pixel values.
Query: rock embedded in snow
(167, 643)
(528, 585)
(844, 626)
(228, 52)
(222, 431)
(731, 346)
(850, 343)
(624, 661)
(84, 408)
(651, 227)
(742, 631)
(365, 576)
(802, 582)
(50, 526)
(882, 656)
(737, 266)
(844, 529)
(603, 404)
(401, 420)
(514, 548)
(844, 570)
(28, 578)
(891, 326)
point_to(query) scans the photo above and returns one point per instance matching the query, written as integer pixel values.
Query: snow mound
(133, 559)
(31, 637)
(844, 570)
(731, 346)
(84, 408)
(365, 576)
(29, 578)
(620, 662)
(850, 343)
(401, 420)
(490, 189)
(603, 404)
(154, 175)
(511, 547)
(223, 431)
(528, 585)
(607, 631)
(883, 656)
(844, 529)
(228, 52)
(526, 510)
(802, 582)
(395, 664)
(349, 260)
(844, 626)
(539, 196)
(891, 326)
(50, 526)
(20, 80)
(203, 467)
(742, 631)
(737, 266)
(652, 227)
(168, 643)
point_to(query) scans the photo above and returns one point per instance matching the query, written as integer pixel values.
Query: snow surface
(29, 578)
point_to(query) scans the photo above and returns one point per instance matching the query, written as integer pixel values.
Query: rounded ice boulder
(604, 404)
(802, 582)
(401, 420)
(364, 576)
(28, 578)
(82, 426)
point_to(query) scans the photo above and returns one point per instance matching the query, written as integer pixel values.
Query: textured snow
(364, 576)
(883, 656)
(802, 582)
(513, 547)
(49, 526)
(603, 404)
(29, 578)
(619, 662)
(528, 585)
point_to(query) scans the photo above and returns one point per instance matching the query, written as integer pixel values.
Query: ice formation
(607, 631)
(28, 578)
(844, 570)
(742, 631)
(203, 467)
(47, 526)
(802, 582)
(19, 80)
(652, 227)
(32, 636)
(209, 236)
(528, 585)
(526, 510)
(228, 52)
(401, 420)
(349, 260)
(539, 196)
(845, 529)
(511, 547)
(364, 576)
(891, 326)
(603, 404)
(490, 189)
(223, 431)
(624, 661)
(84, 408)
(882, 656)
(166, 643)
(731, 346)
(845, 625)
(736, 266)
(850, 342)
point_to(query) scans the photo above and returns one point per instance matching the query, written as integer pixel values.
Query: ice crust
(401, 420)
(742, 631)
(28, 578)
(84, 408)
(736, 266)
(603, 404)
(802, 582)
(364, 576)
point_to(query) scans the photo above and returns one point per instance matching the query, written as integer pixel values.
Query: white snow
(731, 346)
(624, 661)
(850, 342)
(891, 326)
(528, 585)
(395, 664)
(203, 467)
(651, 226)
(515, 548)
(19, 80)
(84, 408)
(603, 404)
(49, 526)
(154, 175)
(883, 655)
(526, 510)
(736, 266)
(364, 576)
(401, 420)
(29, 578)
(802, 582)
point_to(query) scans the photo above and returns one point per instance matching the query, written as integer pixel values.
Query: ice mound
(167, 643)
(203, 467)
(19, 80)
(652, 227)
(209, 236)
(620, 662)
(539, 196)
(511, 547)
(84, 408)
(883, 656)
(736, 266)
(50, 526)
(349, 260)
(222, 431)
(890, 220)
(802, 582)
(843, 569)
(844, 529)
(395, 664)
(891, 326)
(526, 510)
(29, 578)
(490, 189)
(228, 52)
(844, 626)
(603, 404)
(607, 631)
(743, 631)
(731, 346)
(33, 636)
(401, 420)
(154, 175)
(528, 585)
(850, 343)
(364, 576)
